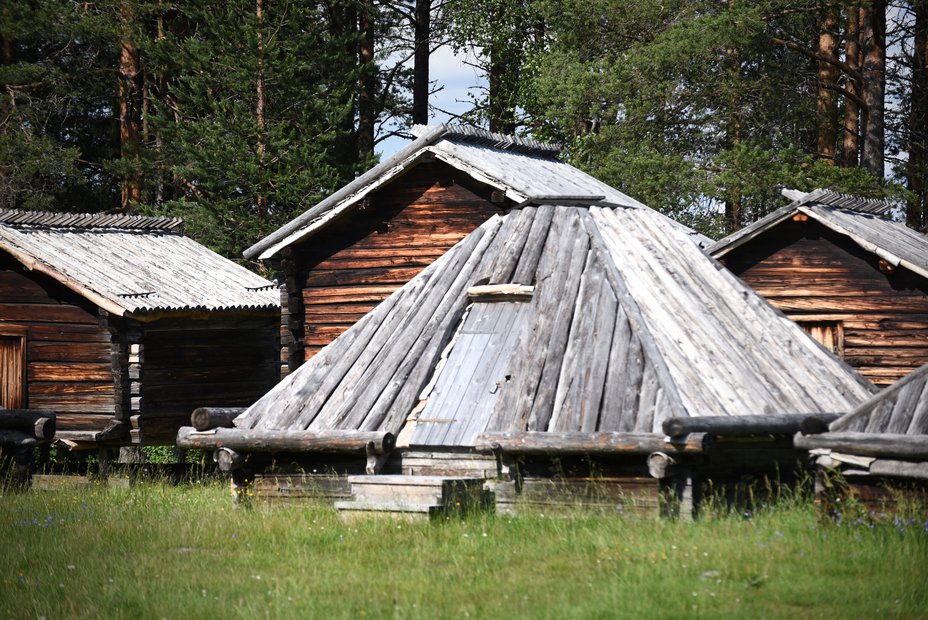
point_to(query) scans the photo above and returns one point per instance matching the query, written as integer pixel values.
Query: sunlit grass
(157, 551)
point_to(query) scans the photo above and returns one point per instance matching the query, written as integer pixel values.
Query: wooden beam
(16, 438)
(206, 418)
(37, 423)
(546, 443)
(252, 440)
(741, 425)
(867, 444)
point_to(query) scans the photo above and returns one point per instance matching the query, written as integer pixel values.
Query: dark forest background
(239, 114)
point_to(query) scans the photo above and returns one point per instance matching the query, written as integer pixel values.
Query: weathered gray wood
(257, 440)
(205, 418)
(851, 421)
(393, 403)
(633, 367)
(919, 423)
(635, 316)
(902, 469)
(37, 423)
(534, 245)
(580, 384)
(504, 264)
(548, 344)
(743, 425)
(551, 443)
(438, 312)
(867, 444)
(660, 464)
(616, 375)
(647, 400)
(228, 460)
(903, 410)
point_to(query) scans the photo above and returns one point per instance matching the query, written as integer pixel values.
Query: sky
(456, 79)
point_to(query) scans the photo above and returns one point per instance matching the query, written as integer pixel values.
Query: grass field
(157, 551)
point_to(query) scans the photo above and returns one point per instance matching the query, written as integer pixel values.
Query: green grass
(156, 551)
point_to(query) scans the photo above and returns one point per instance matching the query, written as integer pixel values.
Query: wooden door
(466, 388)
(12, 371)
(830, 334)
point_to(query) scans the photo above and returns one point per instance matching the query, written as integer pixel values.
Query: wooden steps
(412, 497)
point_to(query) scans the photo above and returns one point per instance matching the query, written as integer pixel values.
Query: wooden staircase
(413, 497)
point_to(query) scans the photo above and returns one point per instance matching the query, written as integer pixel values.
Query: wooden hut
(348, 253)
(121, 326)
(847, 273)
(880, 449)
(546, 351)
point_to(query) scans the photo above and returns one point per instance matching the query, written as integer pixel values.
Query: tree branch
(811, 53)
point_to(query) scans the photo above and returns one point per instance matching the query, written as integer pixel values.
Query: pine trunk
(260, 118)
(873, 70)
(420, 87)
(367, 114)
(826, 104)
(130, 110)
(850, 143)
(734, 215)
(918, 122)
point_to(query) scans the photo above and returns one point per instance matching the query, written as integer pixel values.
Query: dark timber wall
(225, 361)
(342, 272)
(67, 347)
(818, 277)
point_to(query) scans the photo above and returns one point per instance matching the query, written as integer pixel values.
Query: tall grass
(157, 551)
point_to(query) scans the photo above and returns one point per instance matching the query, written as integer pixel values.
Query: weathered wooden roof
(132, 265)
(864, 221)
(900, 409)
(524, 170)
(628, 324)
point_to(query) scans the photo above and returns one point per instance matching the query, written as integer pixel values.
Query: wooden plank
(617, 375)
(251, 440)
(867, 444)
(534, 245)
(561, 443)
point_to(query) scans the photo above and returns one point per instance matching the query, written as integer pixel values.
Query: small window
(830, 334)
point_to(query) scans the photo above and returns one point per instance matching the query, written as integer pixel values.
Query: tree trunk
(873, 69)
(368, 81)
(850, 143)
(826, 103)
(130, 110)
(917, 143)
(420, 86)
(260, 119)
(733, 211)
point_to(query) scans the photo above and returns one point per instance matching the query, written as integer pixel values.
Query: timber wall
(814, 274)
(224, 361)
(68, 348)
(341, 273)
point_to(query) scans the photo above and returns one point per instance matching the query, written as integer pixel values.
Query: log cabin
(542, 359)
(121, 326)
(877, 453)
(348, 253)
(849, 274)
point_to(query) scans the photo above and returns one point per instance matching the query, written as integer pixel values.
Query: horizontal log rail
(254, 440)
(744, 425)
(536, 442)
(16, 439)
(37, 423)
(867, 444)
(206, 418)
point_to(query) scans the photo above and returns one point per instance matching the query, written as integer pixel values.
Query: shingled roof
(132, 265)
(864, 221)
(523, 170)
(617, 323)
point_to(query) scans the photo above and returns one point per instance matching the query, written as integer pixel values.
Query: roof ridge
(862, 204)
(52, 219)
(505, 142)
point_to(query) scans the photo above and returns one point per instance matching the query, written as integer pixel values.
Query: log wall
(219, 362)
(817, 276)
(341, 273)
(68, 348)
